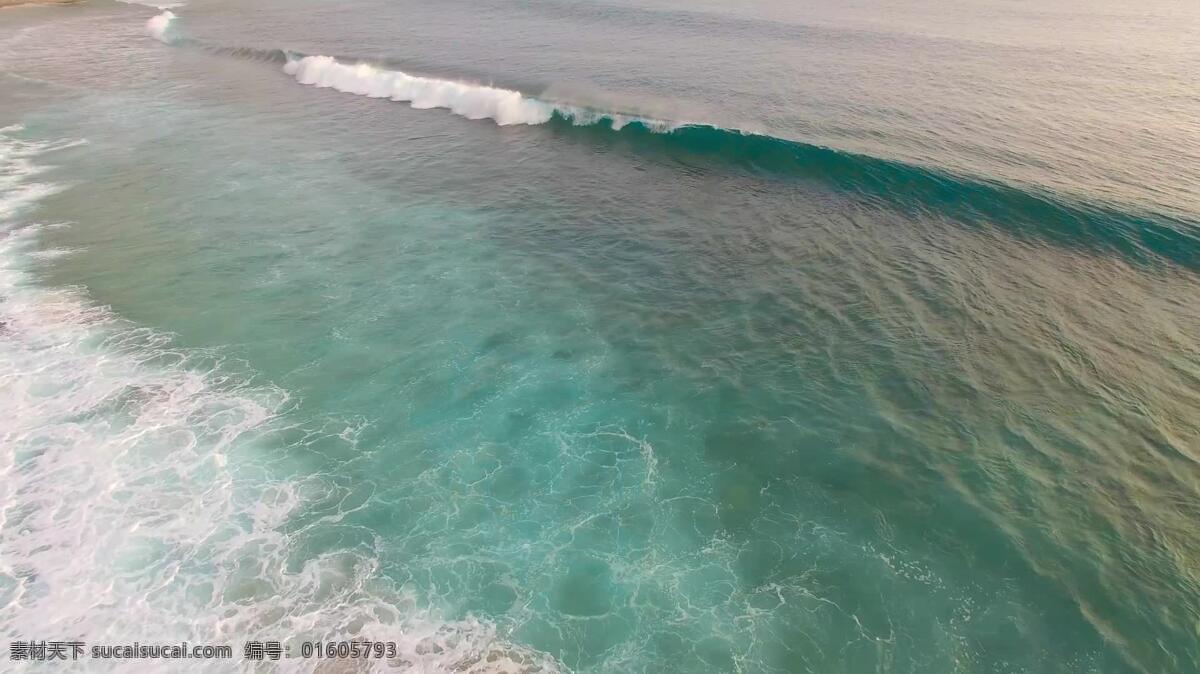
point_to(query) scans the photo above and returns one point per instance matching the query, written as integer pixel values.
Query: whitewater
(473, 101)
(771, 338)
(133, 500)
(158, 25)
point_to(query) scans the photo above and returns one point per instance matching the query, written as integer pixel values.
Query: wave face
(1138, 237)
(159, 26)
(1135, 236)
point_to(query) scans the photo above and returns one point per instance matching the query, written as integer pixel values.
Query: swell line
(1141, 237)
(1138, 237)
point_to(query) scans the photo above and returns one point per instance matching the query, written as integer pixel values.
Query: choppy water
(606, 337)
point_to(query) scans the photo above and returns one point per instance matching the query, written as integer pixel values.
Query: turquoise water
(648, 339)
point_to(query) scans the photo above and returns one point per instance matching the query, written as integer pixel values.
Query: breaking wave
(1137, 236)
(473, 101)
(158, 26)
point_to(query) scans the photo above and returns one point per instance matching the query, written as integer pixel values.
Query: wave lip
(504, 106)
(158, 26)
(473, 101)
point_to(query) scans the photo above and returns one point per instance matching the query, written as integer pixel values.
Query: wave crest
(473, 101)
(158, 26)
(504, 106)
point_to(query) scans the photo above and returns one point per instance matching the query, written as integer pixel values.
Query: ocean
(604, 336)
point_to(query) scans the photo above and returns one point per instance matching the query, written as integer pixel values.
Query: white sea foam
(136, 502)
(505, 106)
(159, 25)
(473, 101)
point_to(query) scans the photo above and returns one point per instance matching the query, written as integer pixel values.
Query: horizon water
(605, 336)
